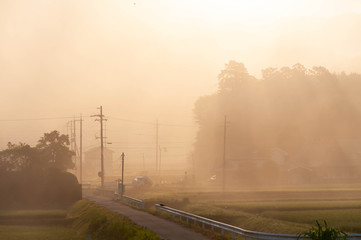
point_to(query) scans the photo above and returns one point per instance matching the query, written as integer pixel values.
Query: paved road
(165, 229)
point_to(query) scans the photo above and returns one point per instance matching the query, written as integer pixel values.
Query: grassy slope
(100, 223)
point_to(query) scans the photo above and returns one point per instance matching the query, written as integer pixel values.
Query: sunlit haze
(149, 60)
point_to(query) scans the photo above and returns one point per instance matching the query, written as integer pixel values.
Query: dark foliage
(35, 176)
(38, 189)
(323, 233)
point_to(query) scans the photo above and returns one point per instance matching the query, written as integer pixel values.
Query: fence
(235, 231)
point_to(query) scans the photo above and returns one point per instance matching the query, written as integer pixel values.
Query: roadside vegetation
(325, 232)
(286, 211)
(100, 223)
(37, 225)
(83, 220)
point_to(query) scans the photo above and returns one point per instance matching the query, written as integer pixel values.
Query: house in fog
(92, 163)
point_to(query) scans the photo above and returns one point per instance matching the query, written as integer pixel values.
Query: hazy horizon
(149, 60)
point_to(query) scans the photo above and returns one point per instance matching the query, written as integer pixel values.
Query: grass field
(83, 219)
(278, 211)
(36, 225)
(21, 232)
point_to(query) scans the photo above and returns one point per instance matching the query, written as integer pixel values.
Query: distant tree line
(36, 176)
(302, 111)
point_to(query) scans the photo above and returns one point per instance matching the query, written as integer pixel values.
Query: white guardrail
(235, 231)
(129, 200)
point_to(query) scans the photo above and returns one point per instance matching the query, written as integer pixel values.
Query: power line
(38, 119)
(152, 123)
(130, 120)
(34, 119)
(113, 118)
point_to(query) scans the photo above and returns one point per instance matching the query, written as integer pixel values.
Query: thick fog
(145, 61)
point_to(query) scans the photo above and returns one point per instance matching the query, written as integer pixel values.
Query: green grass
(15, 232)
(36, 225)
(33, 214)
(100, 223)
(83, 219)
(348, 220)
(279, 211)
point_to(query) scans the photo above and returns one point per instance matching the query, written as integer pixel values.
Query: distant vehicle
(140, 181)
(213, 178)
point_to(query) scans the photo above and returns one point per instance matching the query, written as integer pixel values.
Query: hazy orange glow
(146, 60)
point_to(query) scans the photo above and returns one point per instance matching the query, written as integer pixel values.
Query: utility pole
(194, 169)
(156, 146)
(122, 192)
(160, 160)
(71, 131)
(78, 153)
(143, 163)
(75, 146)
(81, 151)
(101, 119)
(224, 153)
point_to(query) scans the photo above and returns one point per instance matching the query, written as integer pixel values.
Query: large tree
(17, 157)
(52, 151)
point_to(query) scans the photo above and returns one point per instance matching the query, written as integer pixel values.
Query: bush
(327, 233)
(38, 189)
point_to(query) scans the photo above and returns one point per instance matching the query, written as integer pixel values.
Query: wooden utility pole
(78, 153)
(101, 119)
(122, 192)
(75, 146)
(156, 147)
(143, 163)
(101, 147)
(224, 153)
(160, 160)
(81, 151)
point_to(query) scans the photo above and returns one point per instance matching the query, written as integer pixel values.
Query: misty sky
(149, 59)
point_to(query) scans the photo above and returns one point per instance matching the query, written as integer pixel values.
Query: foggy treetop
(306, 113)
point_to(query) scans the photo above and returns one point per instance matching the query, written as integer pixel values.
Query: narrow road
(167, 230)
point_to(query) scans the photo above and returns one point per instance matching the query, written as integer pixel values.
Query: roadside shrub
(324, 233)
(38, 189)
